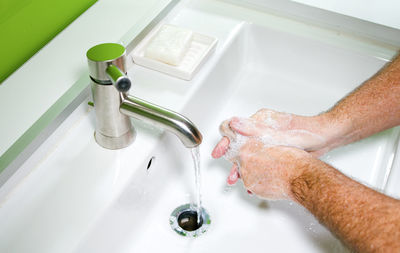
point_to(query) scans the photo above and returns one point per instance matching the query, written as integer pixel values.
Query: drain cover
(184, 221)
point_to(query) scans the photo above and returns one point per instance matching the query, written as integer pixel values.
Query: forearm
(371, 108)
(364, 219)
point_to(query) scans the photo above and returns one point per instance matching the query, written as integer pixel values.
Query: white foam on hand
(266, 148)
(272, 133)
(266, 130)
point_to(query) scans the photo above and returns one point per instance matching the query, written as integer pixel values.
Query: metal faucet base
(115, 142)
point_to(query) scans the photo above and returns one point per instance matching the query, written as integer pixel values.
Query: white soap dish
(200, 48)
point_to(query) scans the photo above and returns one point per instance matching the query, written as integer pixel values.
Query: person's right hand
(313, 134)
(268, 172)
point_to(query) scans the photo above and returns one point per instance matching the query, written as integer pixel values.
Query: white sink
(260, 68)
(80, 197)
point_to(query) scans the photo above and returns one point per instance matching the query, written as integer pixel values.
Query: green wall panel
(27, 25)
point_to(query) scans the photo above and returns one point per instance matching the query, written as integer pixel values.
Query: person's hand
(312, 134)
(269, 171)
(277, 128)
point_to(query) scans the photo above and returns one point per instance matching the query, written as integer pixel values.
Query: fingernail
(233, 176)
(229, 182)
(242, 126)
(235, 123)
(249, 192)
(232, 179)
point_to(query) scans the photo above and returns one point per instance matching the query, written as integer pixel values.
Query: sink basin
(259, 68)
(79, 197)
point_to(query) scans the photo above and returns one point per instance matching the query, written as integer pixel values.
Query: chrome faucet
(113, 105)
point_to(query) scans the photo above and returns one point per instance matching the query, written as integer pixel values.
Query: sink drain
(184, 219)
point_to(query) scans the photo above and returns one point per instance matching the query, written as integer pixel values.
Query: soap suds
(267, 133)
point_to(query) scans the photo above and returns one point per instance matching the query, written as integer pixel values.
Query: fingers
(233, 175)
(226, 130)
(229, 129)
(223, 145)
(245, 127)
(221, 148)
(273, 119)
(262, 114)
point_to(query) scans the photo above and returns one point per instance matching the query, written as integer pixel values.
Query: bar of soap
(169, 45)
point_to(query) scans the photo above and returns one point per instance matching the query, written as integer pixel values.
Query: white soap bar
(169, 45)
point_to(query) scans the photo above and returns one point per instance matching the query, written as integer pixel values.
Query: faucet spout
(113, 106)
(161, 117)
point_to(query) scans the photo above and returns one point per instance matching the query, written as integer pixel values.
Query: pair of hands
(270, 149)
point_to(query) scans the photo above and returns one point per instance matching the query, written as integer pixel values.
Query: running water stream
(196, 161)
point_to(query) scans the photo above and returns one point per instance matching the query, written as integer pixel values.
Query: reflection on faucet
(113, 106)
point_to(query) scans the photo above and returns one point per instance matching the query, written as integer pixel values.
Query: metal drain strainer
(183, 220)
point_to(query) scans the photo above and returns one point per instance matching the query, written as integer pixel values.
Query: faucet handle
(118, 78)
(107, 65)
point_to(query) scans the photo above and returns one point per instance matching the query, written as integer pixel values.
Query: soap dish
(199, 50)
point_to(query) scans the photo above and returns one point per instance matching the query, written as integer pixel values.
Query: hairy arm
(366, 220)
(371, 108)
